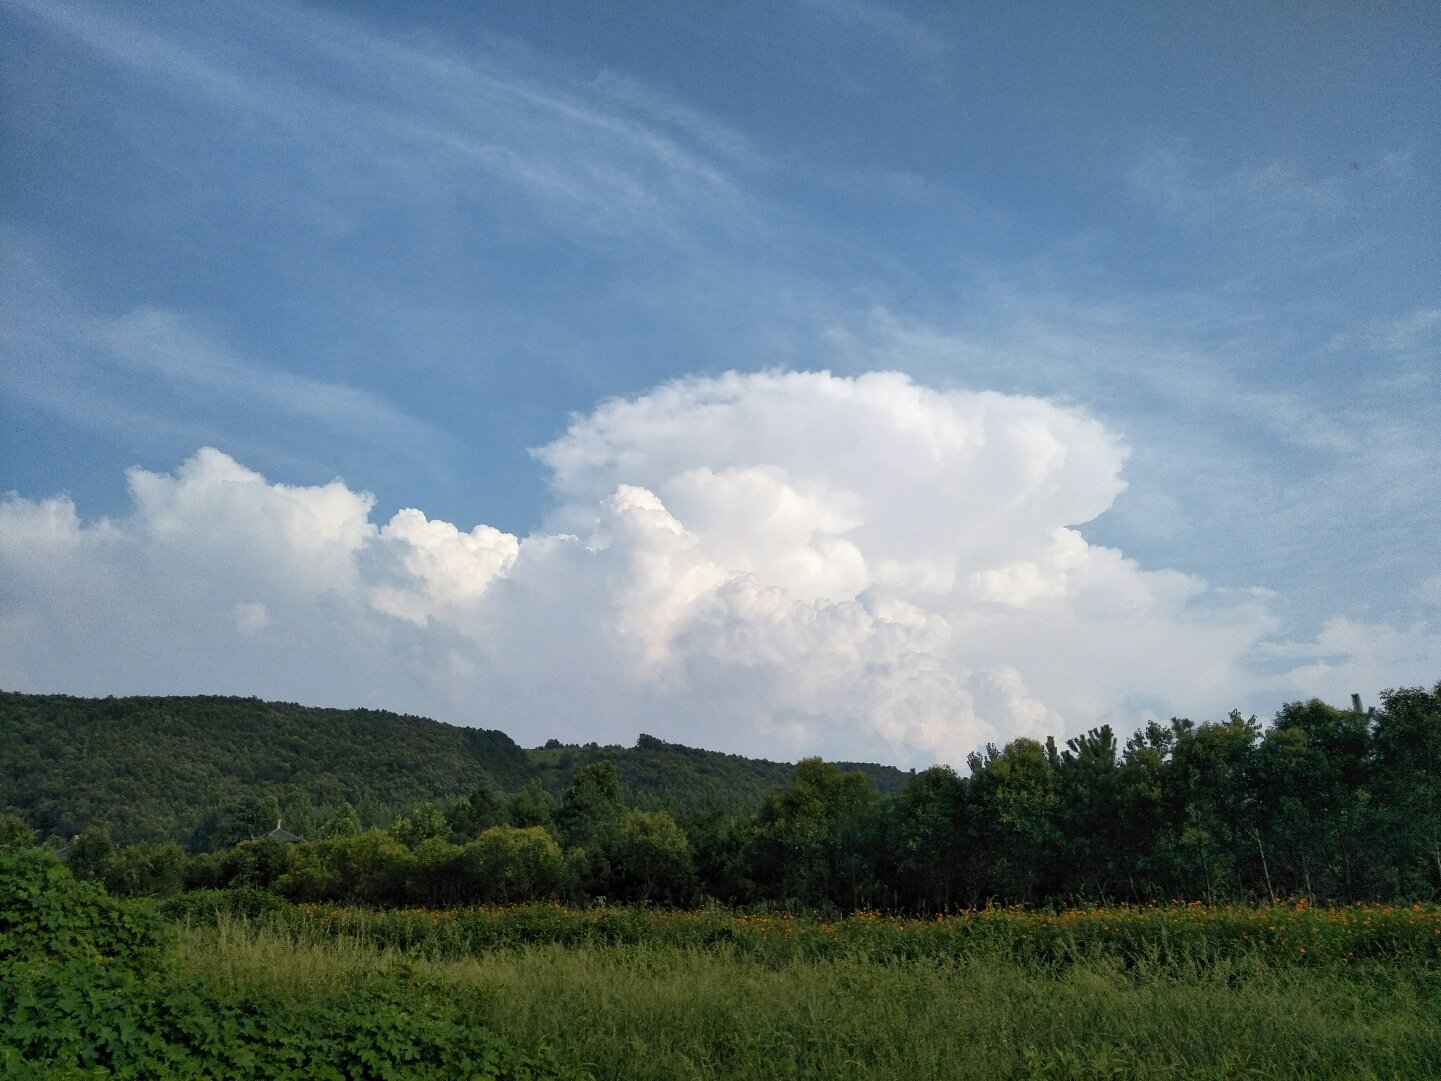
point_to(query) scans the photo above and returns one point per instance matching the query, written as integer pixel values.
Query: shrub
(46, 914)
(84, 994)
(206, 906)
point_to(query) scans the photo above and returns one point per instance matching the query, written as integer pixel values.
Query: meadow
(1180, 991)
(239, 984)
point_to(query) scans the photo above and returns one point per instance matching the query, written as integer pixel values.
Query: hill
(151, 768)
(654, 774)
(154, 768)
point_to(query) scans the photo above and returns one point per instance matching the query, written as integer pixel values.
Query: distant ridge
(152, 768)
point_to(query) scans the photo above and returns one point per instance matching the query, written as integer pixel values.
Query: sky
(834, 377)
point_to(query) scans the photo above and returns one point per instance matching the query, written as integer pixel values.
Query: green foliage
(145, 870)
(590, 809)
(1326, 804)
(83, 993)
(652, 860)
(476, 812)
(372, 867)
(343, 823)
(687, 781)
(925, 838)
(207, 906)
(1153, 936)
(423, 824)
(240, 818)
(815, 839)
(1015, 801)
(508, 864)
(531, 806)
(655, 1011)
(15, 834)
(47, 916)
(124, 1027)
(160, 769)
(89, 854)
(1407, 799)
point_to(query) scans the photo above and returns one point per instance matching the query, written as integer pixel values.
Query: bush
(84, 993)
(206, 906)
(47, 915)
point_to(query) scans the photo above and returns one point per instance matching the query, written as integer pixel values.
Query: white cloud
(251, 618)
(918, 482)
(771, 563)
(1349, 656)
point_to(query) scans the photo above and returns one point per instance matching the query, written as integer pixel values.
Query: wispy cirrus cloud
(161, 373)
(387, 118)
(900, 29)
(1190, 190)
(170, 348)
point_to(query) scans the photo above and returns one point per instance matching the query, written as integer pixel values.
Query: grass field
(685, 1001)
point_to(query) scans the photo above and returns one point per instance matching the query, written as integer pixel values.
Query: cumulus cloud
(1350, 655)
(776, 563)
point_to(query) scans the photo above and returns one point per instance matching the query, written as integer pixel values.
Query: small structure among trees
(278, 834)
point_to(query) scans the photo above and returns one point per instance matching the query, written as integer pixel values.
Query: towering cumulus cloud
(774, 563)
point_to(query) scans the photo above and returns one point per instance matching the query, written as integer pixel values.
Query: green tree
(345, 822)
(531, 806)
(474, 813)
(925, 839)
(302, 817)
(1209, 807)
(437, 873)
(240, 818)
(88, 855)
(146, 870)
(653, 859)
(816, 840)
(311, 876)
(15, 834)
(591, 808)
(1015, 797)
(423, 824)
(1093, 859)
(1311, 774)
(259, 863)
(371, 867)
(722, 843)
(1406, 818)
(510, 864)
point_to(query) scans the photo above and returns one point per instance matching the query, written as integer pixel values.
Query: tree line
(1328, 804)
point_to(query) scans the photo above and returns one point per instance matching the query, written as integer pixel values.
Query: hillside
(654, 773)
(153, 768)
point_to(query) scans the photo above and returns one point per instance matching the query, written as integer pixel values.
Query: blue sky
(410, 245)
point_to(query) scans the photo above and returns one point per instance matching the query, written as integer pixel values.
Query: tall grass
(664, 1011)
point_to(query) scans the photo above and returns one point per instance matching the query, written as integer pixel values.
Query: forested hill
(656, 774)
(159, 768)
